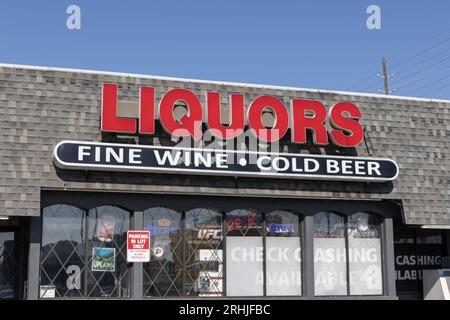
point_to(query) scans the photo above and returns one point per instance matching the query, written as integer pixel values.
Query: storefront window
(108, 274)
(283, 255)
(8, 265)
(84, 253)
(425, 236)
(330, 255)
(415, 250)
(76, 264)
(203, 256)
(62, 253)
(364, 243)
(244, 246)
(163, 274)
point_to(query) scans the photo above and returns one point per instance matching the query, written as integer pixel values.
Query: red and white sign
(344, 129)
(138, 246)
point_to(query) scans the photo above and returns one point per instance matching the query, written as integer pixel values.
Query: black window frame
(183, 213)
(138, 202)
(17, 261)
(346, 217)
(86, 245)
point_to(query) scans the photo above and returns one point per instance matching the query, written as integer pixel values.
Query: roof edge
(248, 85)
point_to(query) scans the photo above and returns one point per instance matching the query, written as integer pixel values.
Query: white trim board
(247, 85)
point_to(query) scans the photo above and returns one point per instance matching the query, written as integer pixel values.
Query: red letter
(350, 125)
(254, 114)
(300, 122)
(236, 126)
(109, 121)
(190, 124)
(147, 111)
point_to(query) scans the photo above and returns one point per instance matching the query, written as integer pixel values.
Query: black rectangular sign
(79, 155)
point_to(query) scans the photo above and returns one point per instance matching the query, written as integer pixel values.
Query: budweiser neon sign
(344, 129)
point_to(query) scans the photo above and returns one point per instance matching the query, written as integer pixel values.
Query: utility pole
(385, 76)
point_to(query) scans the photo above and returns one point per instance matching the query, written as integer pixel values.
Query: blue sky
(313, 44)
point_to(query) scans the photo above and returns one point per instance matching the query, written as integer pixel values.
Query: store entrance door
(9, 268)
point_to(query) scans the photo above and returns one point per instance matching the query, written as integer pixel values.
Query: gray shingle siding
(40, 107)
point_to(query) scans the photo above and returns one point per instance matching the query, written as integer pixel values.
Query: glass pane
(163, 274)
(403, 234)
(429, 256)
(429, 236)
(244, 223)
(406, 272)
(62, 252)
(329, 225)
(8, 266)
(244, 253)
(411, 258)
(330, 261)
(108, 274)
(283, 254)
(282, 224)
(363, 225)
(364, 232)
(245, 266)
(204, 275)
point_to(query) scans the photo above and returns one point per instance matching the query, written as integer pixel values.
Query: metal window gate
(9, 269)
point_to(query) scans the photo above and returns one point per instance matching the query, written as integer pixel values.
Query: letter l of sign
(109, 120)
(147, 111)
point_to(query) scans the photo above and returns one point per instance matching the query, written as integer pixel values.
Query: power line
(385, 76)
(418, 79)
(371, 85)
(426, 60)
(360, 82)
(436, 89)
(421, 78)
(420, 53)
(428, 67)
(401, 62)
(429, 84)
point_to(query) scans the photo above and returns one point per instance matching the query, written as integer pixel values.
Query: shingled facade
(42, 106)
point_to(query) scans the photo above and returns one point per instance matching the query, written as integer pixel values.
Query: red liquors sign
(339, 126)
(303, 115)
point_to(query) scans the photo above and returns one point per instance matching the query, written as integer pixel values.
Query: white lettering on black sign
(119, 157)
